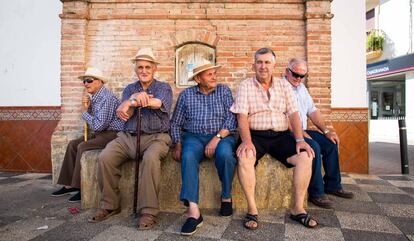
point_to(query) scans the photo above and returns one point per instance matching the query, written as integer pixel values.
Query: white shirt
(305, 104)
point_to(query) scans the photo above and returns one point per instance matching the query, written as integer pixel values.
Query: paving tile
(299, 233)
(402, 183)
(406, 225)
(213, 226)
(11, 180)
(266, 231)
(325, 217)
(1, 178)
(48, 177)
(359, 195)
(366, 222)
(350, 205)
(9, 174)
(177, 237)
(31, 175)
(391, 198)
(356, 235)
(347, 180)
(27, 228)
(372, 182)
(364, 176)
(122, 233)
(397, 210)
(395, 177)
(4, 220)
(380, 189)
(272, 216)
(411, 237)
(407, 190)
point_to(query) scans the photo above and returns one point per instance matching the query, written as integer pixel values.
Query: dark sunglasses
(88, 80)
(296, 75)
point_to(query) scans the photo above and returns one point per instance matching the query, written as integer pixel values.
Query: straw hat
(95, 73)
(201, 66)
(145, 54)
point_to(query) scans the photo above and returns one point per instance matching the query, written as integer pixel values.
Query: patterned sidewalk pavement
(383, 209)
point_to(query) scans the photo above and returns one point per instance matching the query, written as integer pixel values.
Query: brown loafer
(323, 202)
(342, 193)
(146, 221)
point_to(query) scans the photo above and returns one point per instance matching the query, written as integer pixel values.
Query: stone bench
(274, 184)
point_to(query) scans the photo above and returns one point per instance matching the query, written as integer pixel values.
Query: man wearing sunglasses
(99, 111)
(155, 99)
(324, 142)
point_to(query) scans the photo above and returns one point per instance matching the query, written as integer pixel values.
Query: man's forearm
(296, 125)
(244, 128)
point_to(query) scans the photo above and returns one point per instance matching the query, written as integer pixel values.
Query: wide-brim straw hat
(201, 66)
(145, 54)
(95, 73)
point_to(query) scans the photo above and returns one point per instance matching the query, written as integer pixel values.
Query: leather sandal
(102, 214)
(146, 221)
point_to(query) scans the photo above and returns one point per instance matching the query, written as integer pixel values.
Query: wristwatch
(326, 131)
(299, 139)
(133, 101)
(219, 136)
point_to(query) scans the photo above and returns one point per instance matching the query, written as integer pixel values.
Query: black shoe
(226, 209)
(323, 202)
(64, 191)
(342, 193)
(75, 198)
(190, 226)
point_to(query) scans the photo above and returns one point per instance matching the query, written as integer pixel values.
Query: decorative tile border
(30, 113)
(349, 114)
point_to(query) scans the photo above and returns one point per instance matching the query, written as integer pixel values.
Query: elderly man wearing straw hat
(155, 100)
(203, 126)
(99, 112)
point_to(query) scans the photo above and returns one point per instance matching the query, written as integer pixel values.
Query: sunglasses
(88, 80)
(296, 75)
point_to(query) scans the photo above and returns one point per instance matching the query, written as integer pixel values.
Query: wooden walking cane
(137, 158)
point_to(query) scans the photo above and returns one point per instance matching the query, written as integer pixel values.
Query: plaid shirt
(198, 113)
(101, 115)
(153, 120)
(265, 113)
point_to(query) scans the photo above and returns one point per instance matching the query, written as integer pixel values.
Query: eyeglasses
(88, 80)
(296, 75)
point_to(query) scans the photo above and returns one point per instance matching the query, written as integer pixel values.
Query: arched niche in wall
(185, 57)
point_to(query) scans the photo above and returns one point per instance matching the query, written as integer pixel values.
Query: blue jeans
(193, 152)
(331, 182)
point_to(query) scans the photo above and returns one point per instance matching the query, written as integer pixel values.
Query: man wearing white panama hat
(99, 111)
(155, 100)
(203, 126)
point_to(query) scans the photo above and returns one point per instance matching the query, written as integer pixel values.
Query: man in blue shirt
(99, 111)
(203, 126)
(324, 143)
(155, 100)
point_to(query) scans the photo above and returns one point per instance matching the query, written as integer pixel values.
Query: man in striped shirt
(203, 126)
(99, 111)
(264, 105)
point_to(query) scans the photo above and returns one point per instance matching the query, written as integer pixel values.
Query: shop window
(387, 99)
(186, 56)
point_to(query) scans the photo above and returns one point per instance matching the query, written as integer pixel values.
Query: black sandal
(250, 218)
(304, 219)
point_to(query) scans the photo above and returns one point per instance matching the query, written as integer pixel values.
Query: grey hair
(265, 51)
(296, 61)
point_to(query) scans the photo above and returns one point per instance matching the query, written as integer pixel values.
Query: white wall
(30, 53)
(349, 88)
(393, 19)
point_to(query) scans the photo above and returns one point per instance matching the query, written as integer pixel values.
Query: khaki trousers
(154, 147)
(71, 167)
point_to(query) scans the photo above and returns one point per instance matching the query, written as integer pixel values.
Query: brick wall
(108, 33)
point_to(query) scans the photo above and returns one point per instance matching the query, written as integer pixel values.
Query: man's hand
(177, 152)
(211, 147)
(142, 98)
(123, 111)
(302, 145)
(86, 102)
(246, 149)
(331, 135)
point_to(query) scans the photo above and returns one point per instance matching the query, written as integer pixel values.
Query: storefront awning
(390, 66)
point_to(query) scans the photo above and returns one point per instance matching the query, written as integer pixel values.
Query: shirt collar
(98, 94)
(150, 88)
(258, 85)
(198, 91)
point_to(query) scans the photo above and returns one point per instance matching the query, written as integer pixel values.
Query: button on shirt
(198, 113)
(102, 113)
(264, 112)
(153, 120)
(305, 103)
